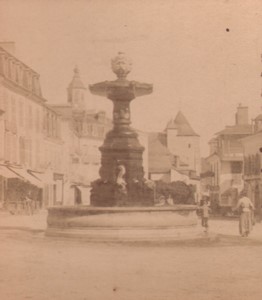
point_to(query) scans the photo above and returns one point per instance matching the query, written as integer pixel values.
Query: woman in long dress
(245, 220)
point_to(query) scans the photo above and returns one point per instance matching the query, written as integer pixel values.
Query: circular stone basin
(120, 217)
(123, 223)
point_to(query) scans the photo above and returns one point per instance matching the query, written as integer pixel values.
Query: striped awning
(26, 176)
(7, 173)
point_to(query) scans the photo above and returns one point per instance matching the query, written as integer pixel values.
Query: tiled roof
(236, 129)
(182, 125)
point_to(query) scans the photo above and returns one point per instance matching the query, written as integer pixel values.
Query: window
(1, 64)
(21, 114)
(48, 123)
(1, 98)
(89, 129)
(29, 117)
(236, 167)
(29, 80)
(6, 106)
(25, 81)
(37, 154)
(22, 150)
(8, 68)
(8, 146)
(29, 152)
(14, 148)
(16, 73)
(37, 120)
(100, 131)
(54, 126)
(13, 110)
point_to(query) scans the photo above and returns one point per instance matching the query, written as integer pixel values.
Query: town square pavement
(37, 267)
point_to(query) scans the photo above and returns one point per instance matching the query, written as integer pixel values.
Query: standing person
(245, 220)
(205, 212)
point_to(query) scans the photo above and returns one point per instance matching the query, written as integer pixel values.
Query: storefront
(16, 186)
(5, 174)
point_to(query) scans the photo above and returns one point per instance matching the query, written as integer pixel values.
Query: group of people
(246, 213)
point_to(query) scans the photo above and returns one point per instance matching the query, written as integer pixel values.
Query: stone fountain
(122, 200)
(122, 180)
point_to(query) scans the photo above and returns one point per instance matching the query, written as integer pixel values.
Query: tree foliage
(180, 192)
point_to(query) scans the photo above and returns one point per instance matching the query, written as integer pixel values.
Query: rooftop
(182, 125)
(236, 129)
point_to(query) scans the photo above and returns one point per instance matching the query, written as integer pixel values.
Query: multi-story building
(226, 160)
(83, 132)
(252, 164)
(29, 129)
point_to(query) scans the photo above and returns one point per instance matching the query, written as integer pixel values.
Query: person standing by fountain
(245, 220)
(205, 208)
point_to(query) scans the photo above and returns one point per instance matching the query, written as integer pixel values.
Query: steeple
(76, 92)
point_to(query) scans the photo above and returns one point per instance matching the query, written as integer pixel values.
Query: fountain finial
(121, 65)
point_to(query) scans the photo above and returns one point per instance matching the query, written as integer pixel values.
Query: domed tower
(76, 92)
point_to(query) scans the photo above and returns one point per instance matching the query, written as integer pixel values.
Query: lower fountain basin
(121, 224)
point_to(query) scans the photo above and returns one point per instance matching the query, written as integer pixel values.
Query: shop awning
(25, 175)
(45, 178)
(5, 172)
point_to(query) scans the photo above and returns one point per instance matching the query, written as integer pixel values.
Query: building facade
(184, 144)
(30, 129)
(226, 161)
(174, 154)
(253, 164)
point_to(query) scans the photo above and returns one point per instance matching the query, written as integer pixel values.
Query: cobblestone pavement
(36, 267)
(35, 222)
(40, 268)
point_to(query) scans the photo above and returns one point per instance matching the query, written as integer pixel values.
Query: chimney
(242, 115)
(8, 46)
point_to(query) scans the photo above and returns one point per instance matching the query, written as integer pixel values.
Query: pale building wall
(186, 147)
(90, 159)
(2, 123)
(2, 134)
(23, 120)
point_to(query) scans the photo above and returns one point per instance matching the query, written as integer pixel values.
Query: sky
(202, 57)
